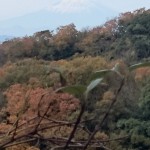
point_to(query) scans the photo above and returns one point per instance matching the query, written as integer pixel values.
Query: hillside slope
(126, 37)
(106, 96)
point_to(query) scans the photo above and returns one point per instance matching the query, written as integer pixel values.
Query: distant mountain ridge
(43, 20)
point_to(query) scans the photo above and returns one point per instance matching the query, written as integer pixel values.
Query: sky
(24, 17)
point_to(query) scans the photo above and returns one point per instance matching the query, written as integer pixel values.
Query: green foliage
(139, 127)
(126, 36)
(135, 37)
(100, 74)
(81, 91)
(92, 85)
(76, 90)
(145, 102)
(23, 71)
(138, 131)
(43, 73)
(136, 66)
(79, 70)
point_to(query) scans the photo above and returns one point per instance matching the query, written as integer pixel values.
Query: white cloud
(68, 6)
(14, 8)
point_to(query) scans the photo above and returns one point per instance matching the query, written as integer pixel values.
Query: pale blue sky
(21, 17)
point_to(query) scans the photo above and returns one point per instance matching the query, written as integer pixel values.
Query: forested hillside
(70, 89)
(126, 37)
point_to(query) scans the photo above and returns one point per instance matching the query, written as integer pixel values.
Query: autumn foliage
(25, 102)
(35, 116)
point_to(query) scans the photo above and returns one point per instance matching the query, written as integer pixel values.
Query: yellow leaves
(101, 136)
(78, 70)
(109, 95)
(33, 72)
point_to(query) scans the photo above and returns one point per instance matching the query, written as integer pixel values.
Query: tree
(64, 40)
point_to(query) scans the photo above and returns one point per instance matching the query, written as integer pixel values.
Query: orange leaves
(15, 96)
(2, 73)
(67, 102)
(142, 73)
(28, 102)
(4, 127)
(28, 106)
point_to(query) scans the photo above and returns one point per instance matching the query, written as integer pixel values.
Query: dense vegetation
(106, 100)
(126, 37)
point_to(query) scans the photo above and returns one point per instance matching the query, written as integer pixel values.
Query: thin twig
(98, 127)
(75, 127)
